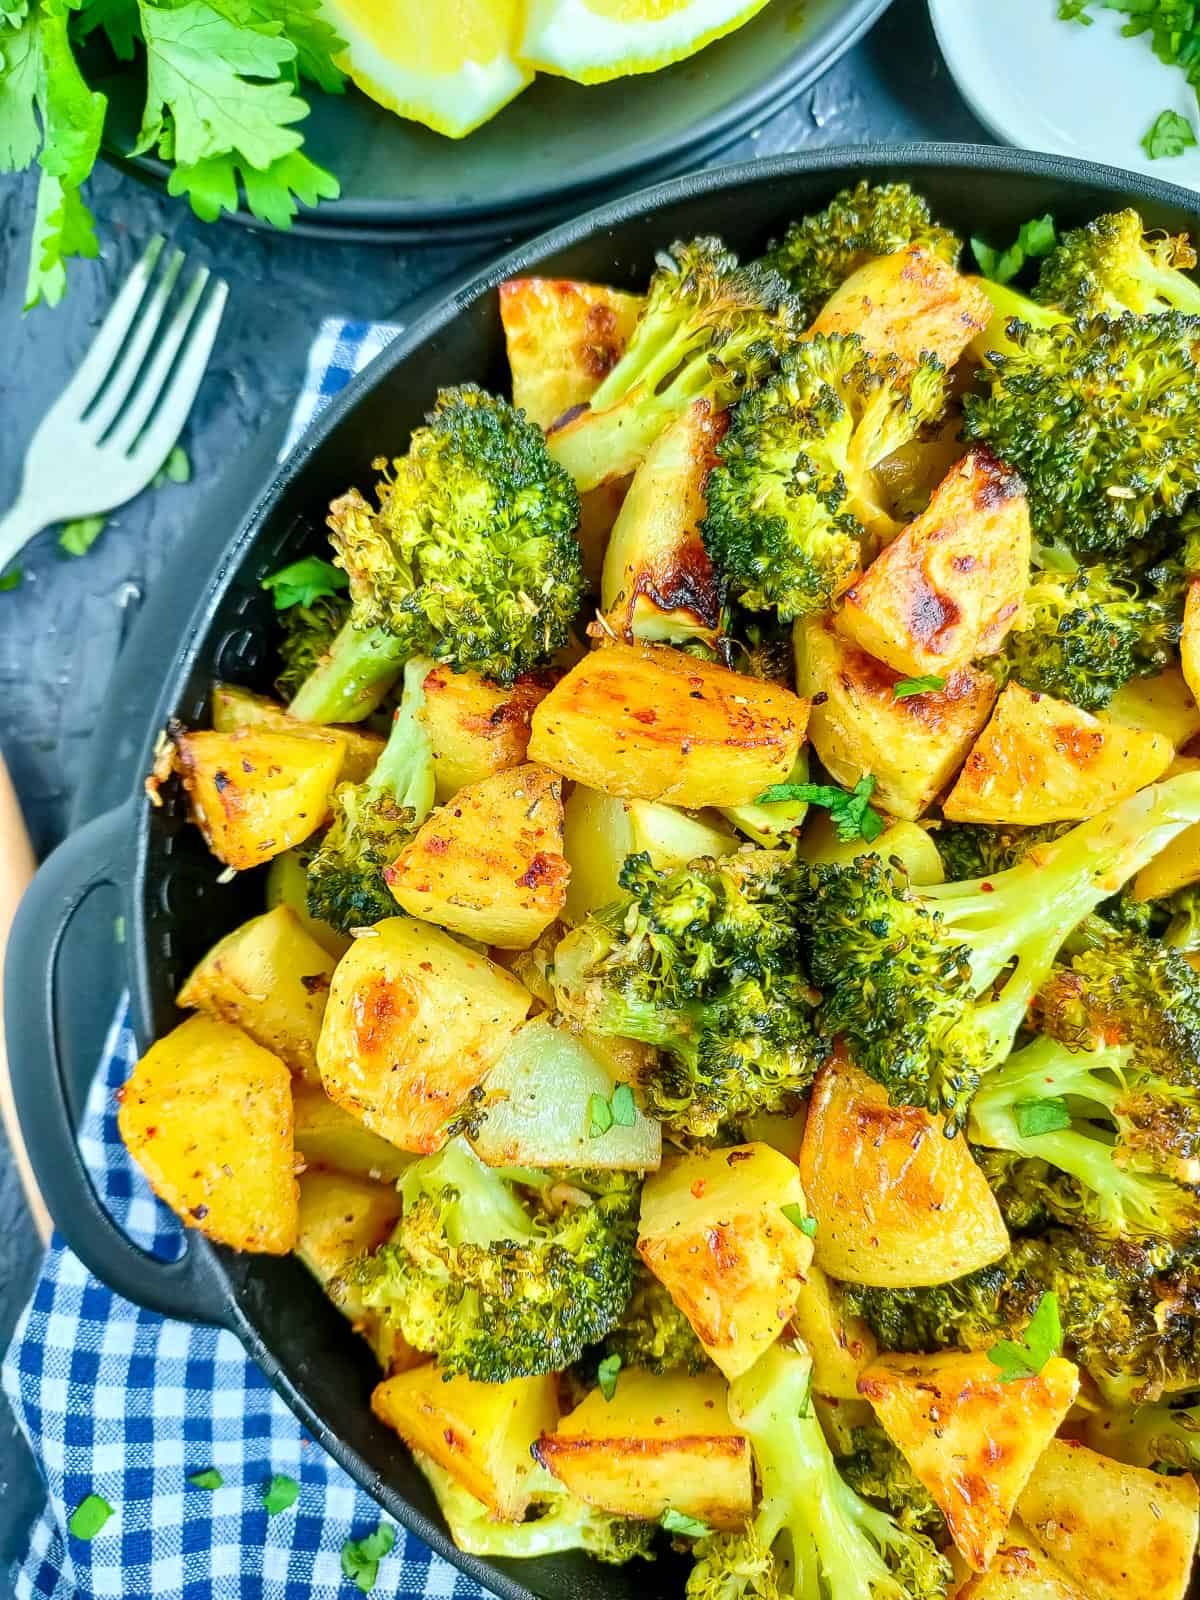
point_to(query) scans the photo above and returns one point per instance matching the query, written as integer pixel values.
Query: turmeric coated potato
(563, 337)
(328, 1137)
(651, 723)
(1189, 643)
(1019, 1571)
(234, 708)
(840, 1344)
(475, 727)
(341, 1219)
(1162, 704)
(207, 1115)
(907, 303)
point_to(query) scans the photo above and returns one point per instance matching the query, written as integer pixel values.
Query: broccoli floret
(1101, 421)
(1163, 1434)
(471, 557)
(877, 1470)
(1114, 265)
(812, 1534)
(710, 329)
(1127, 1137)
(504, 1275)
(817, 254)
(1030, 1192)
(1009, 305)
(792, 500)
(373, 821)
(308, 635)
(556, 1523)
(968, 1312)
(909, 976)
(654, 1333)
(703, 962)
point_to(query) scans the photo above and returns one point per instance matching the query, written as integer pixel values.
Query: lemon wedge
(592, 41)
(447, 63)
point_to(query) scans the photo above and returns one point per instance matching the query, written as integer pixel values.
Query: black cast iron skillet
(174, 907)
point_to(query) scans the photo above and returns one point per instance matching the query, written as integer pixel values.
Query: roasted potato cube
(413, 1023)
(970, 1437)
(1164, 704)
(342, 1218)
(1189, 642)
(658, 582)
(720, 1229)
(563, 337)
(1043, 760)
(1019, 1571)
(328, 1137)
(1179, 864)
(840, 1344)
(481, 1433)
(912, 746)
(1120, 1532)
(897, 1203)
(660, 1444)
(207, 1115)
(234, 708)
(949, 588)
(272, 980)
(598, 512)
(907, 303)
(475, 727)
(646, 722)
(255, 794)
(489, 864)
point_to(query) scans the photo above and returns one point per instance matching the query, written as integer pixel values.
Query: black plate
(174, 906)
(554, 144)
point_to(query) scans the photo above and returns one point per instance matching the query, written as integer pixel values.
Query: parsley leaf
(796, 1216)
(303, 582)
(302, 21)
(279, 1494)
(851, 812)
(210, 1478)
(175, 469)
(676, 1522)
(1168, 135)
(361, 1557)
(11, 579)
(905, 688)
(20, 135)
(274, 194)
(606, 1375)
(1041, 1116)
(1043, 1339)
(1034, 239)
(89, 1516)
(78, 537)
(620, 1111)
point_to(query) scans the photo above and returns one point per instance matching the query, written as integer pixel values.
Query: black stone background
(61, 631)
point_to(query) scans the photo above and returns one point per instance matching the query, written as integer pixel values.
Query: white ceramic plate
(1050, 85)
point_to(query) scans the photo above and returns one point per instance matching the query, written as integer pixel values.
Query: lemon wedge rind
(571, 40)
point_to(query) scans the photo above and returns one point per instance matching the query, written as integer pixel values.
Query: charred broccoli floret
(792, 499)
(812, 1534)
(968, 1312)
(504, 1275)
(471, 557)
(373, 821)
(909, 975)
(877, 1470)
(1128, 1138)
(1113, 264)
(653, 1332)
(710, 329)
(307, 638)
(1101, 420)
(817, 254)
(705, 963)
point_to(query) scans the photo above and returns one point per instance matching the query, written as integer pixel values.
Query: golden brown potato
(1043, 760)
(1120, 1532)
(660, 1444)
(907, 303)
(481, 1433)
(342, 1218)
(907, 842)
(563, 337)
(414, 1021)
(598, 511)
(949, 588)
(253, 794)
(328, 1137)
(207, 1115)
(840, 1344)
(1189, 643)
(489, 864)
(1019, 1571)
(912, 746)
(658, 582)
(897, 1203)
(714, 1231)
(971, 1438)
(287, 885)
(475, 727)
(234, 708)
(271, 979)
(1164, 704)
(646, 722)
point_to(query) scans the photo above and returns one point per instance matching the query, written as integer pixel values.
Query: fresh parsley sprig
(849, 810)
(1043, 1339)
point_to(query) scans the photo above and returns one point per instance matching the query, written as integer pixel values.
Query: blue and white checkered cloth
(122, 1403)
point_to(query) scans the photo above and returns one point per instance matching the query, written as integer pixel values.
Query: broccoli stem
(404, 772)
(483, 1210)
(352, 679)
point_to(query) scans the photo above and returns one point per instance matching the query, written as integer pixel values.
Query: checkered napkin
(121, 1403)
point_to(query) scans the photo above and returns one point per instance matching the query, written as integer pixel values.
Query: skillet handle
(96, 854)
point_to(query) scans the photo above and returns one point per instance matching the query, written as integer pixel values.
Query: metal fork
(113, 426)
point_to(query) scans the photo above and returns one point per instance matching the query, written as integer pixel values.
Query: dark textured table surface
(61, 631)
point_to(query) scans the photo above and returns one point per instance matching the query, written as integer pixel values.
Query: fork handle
(17, 528)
